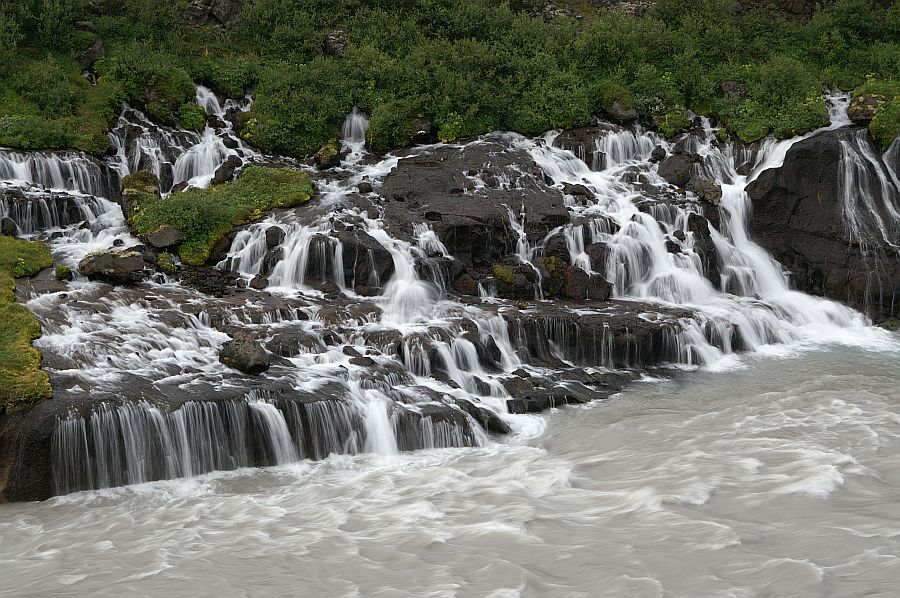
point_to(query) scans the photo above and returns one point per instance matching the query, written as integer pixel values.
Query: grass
(22, 382)
(205, 216)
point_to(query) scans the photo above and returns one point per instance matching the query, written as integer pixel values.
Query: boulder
(8, 228)
(116, 267)
(863, 108)
(677, 169)
(734, 91)
(705, 248)
(225, 172)
(244, 353)
(799, 215)
(705, 189)
(274, 237)
(164, 237)
(473, 222)
(620, 114)
(577, 190)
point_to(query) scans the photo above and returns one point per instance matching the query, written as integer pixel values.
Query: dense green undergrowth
(467, 66)
(22, 382)
(205, 216)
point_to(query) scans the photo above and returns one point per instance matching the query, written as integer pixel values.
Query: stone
(274, 237)
(8, 227)
(164, 237)
(244, 353)
(225, 172)
(93, 53)
(658, 154)
(620, 114)
(364, 187)
(259, 282)
(577, 190)
(116, 267)
(863, 108)
(677, 169)
(705, 189)
(335, 43)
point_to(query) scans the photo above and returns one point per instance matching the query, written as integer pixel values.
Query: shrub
(191, 116)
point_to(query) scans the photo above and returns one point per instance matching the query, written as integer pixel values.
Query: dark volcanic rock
(245, 354)
(472, 222)
(225, 172)
(8, 227)
(799, 215)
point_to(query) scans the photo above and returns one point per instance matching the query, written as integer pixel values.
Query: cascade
(374, 352)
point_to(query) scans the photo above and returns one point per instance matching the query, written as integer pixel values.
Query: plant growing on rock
(206, 216)
(22, 382)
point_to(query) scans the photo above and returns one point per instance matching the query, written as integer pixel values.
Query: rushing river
(779, 478)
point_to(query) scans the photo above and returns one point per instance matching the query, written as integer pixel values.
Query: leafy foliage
(467, 66)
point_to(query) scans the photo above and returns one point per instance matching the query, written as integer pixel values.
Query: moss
(205, 216)
(191, 116)
(63, 272)
(166, 263)
(504, 274)
(22, 382)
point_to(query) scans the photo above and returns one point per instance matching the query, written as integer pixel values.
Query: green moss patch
(205, 216)
(22, 382)
(503, 273)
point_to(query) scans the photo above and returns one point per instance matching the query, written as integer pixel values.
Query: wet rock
(259, 282)
(658, 154)
(8, 228)
(165, 237)
(364, 187)
(225, 172)
(705, 248)
(577, 190)
(486, 418)
(474, 226)
(707, 190)
(677, 169)
(244, 353)
(92, 54)
(116, 267)
(294, 343)
(366, 261)
(274, 237)
(799, 215)
(361, 361)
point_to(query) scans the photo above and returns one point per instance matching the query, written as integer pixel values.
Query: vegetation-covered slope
(467, 66)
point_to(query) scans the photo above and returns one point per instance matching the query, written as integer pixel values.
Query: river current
(776, 478)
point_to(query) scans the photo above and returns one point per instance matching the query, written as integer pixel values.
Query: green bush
(191, 116)
(469, 66)
(206, 215)
(885, 127)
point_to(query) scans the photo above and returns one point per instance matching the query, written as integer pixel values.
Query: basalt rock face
(467, 196)
(825, 214)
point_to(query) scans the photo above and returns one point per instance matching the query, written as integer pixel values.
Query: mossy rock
(503, 274)
(22, 382)
(207, 216)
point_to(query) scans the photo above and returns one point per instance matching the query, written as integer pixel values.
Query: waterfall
(353, 134)
(59, 171)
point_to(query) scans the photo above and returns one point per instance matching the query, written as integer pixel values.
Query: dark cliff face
(829, 231)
